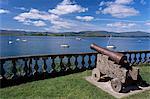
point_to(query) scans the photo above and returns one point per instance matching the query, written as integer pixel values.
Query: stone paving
(106, 86)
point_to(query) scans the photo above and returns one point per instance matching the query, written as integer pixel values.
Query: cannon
(114, 65)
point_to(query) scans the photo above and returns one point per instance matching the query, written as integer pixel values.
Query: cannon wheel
(116, 85)
(96, 75)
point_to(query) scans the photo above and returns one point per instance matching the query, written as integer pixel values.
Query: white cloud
(85, 18)
(53, 16)
(3, 11)
(59, 24)
(148, 23)
(21, 8)
(67, 7)
(107, 3)
(120, 11)
(119, 8)
(121, 25)
(63, 8)
(75, 26)
(35, 23)
(121, 20)
(102, 3)
(38, 23)
(29, 18)
(35, 14)
(123, 1)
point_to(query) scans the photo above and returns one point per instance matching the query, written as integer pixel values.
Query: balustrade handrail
(135, 51)
(45, 55)
(68, 54)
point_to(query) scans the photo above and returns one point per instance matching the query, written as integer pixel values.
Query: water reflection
(51, 45)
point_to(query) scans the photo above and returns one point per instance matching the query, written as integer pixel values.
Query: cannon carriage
(115, 66)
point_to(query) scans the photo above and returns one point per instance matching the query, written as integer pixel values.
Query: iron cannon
(114, 65)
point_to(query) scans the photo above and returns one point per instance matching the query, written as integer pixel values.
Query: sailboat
(18, 39)
(78, 38)
(10, 42)
(24, 40)
(109, 46)
(139, 41)
(64, 45)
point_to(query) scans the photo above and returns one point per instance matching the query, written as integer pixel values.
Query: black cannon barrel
(115, 56)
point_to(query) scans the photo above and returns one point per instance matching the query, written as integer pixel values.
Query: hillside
(82, 33)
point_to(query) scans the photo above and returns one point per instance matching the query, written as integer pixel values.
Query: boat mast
(109, 40)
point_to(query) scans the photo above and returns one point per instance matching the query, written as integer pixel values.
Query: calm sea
(34, 45)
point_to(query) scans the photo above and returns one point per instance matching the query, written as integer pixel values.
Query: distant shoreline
(79, 36)
(76, 34)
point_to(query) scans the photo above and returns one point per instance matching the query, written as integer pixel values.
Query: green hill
(81, 33)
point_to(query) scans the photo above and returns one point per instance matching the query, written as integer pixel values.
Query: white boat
(139, 41)
(24, 40)
(10, 42)
(109, 46)
(78, 38)
(17, 39)
(64, 45)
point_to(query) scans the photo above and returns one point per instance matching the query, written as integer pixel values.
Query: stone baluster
(53, 65)
(36, 67)
(76, 62)
(135, 59)
(30, 67)
(44, 67)
(95, 61)
(2, 71)
(130, 58)
(145, 58)
(62, 67)
(14, 69)
(140, 58)
(89, 62)
(83, 62)
(69, 63)
(26, 66)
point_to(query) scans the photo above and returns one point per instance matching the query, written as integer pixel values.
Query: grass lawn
(72, 86)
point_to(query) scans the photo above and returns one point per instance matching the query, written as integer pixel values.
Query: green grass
(72, 86)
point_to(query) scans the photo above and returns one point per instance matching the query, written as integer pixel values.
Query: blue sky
(75, 15)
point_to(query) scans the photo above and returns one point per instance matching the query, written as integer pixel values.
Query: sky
(75, 15)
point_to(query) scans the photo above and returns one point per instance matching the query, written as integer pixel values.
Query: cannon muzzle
(115, 56)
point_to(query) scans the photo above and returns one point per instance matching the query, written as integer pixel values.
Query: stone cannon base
(106, 86)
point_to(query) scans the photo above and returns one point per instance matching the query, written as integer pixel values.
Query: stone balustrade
(21, 69)
(138, 57)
